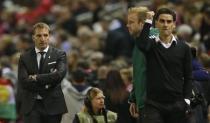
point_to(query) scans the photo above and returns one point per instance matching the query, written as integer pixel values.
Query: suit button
(46, 86)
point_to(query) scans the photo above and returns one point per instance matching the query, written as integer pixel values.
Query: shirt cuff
(148, 21)
(187, 101)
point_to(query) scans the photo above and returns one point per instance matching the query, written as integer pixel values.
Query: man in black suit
(40, 72)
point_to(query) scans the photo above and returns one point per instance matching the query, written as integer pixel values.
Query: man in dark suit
(40, 72)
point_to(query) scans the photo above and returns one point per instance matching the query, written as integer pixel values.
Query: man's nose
(165, 23)
(42, 37)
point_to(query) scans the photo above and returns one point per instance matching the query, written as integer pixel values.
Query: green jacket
(84, 117)
(139, 78)
(139, 74)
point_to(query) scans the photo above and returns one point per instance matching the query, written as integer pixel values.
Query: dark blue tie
(41, 61)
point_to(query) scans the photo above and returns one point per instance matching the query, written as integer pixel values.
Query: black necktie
(41, 61)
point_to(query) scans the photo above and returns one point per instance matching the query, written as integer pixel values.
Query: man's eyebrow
(166, 20)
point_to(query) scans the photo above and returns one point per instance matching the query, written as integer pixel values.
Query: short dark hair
(78, 75)
(165, 11)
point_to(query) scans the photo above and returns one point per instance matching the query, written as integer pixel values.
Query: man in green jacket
(136, 17)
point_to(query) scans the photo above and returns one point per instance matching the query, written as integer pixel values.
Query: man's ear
(141, 24)
(174, 26)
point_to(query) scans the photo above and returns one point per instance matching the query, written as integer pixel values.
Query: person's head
(41, 35)
(126, 74)
(207, 15)
(165, 21)
(102, 72)
(94, 100)
(135, 19)
(114, 80)
(24, 43)
(78, 76)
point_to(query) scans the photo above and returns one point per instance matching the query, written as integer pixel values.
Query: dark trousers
(155, 112)
(141, 114)
(39, 115)
(198, 115)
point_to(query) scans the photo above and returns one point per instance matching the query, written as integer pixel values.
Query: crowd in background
(93, 33)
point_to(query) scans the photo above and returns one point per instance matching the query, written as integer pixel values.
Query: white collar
(45, 50)
(157, 39)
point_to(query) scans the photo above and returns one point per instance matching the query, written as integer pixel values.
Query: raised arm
(143, 42)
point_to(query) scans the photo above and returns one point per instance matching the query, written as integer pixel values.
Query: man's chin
(43, 47)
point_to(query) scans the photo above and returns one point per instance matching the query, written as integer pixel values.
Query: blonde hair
(140, 10)
(40, 25)
(91, 94)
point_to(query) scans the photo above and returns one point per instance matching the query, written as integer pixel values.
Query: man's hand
(33, 77)
(149, 15)
(134, 110)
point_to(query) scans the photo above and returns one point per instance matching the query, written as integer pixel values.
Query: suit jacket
(47, 84)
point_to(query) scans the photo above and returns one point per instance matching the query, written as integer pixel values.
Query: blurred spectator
(184, 32)
(34, 14)
(201, 89)
(7, 100)
(24, 43)
(62, 41)
(65, 19)
(126, 74)
(72, 60)
(199, 72)
(204, 29)
(101, 76)
(118, 42)
(117, 96)
(7, 46)
(74, 94)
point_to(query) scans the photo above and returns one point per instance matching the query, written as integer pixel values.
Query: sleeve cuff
(148, 21)
(187, 101)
